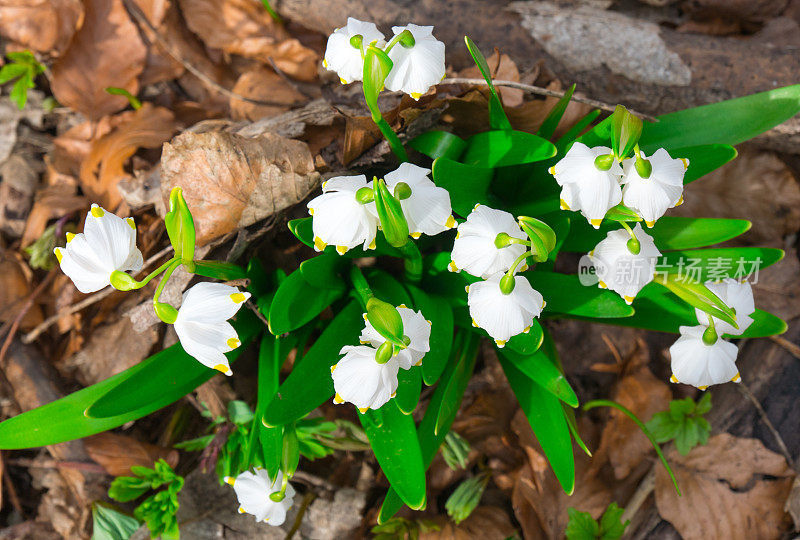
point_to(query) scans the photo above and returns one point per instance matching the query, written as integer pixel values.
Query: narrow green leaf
(527, 342)
(297, 301)
(550, 123)
(437, 310)
(409, 388)
(110, 524)
(502, 148)
(540, 369)
(436, 144)
(714, 264)
(704, 159)
(574, 131)
(564, 293)
(453, 393)
(497, 116)
(219, 270)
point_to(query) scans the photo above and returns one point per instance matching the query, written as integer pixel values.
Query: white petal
(342, 57)
(210, 302)
(503, 316)
(418, 68)
(340, 220)
(619, 269)
(701, 365)
(112, 238)
(360, 380)
(474, 250)
(79, 262)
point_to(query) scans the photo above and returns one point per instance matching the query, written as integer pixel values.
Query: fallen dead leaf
(10, 116)
(16, 193)
(50, 203)
(231, 181)
(732, 487)
(261, 83)
(106, 51)
(118, 453)
(15, 280)
(486, 522)
(103, 168)
(41, 25)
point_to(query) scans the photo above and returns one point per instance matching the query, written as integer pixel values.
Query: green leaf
(575, 130)
(466, 497)
(297, 301)
(581, 526)
(19, 92)
(717, 263)
(436, 144)
(704, 159)
(138, 391)
(501, 148)
(663, 427)
(310, 384)
(467, 184)
(550, 123)
(497, 116)
(454, 388)
(12, 71)
(543, 371)
(110, 524)
(133, 100)
(128, 488)
(625, 132)
(611, 525)
(239, 412)
(728, 122)
(564, 293)
(180, 226)
(377, 66)
(701, 297)
(546, 417)
(397, 450)
(437, 310)
(409, 387)
(224, 271)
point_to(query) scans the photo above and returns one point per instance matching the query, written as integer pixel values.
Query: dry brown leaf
(103, 168)
(118, 453)
(360, 134)
(40, 25)
(50, 203)
(622, 442)
(245, 28)
(15, 278)
(261, 83)
(106, 51)
(502, 68)
(16, 193)
(733, 488)
(485, 522)
(231, 181)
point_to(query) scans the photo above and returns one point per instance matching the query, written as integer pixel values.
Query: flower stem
(413, 261)
(360, 285)
(517, 262)
(391, 137)
(154, 273)
(173, 264)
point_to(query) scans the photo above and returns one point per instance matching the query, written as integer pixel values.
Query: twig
(307, 499)
(23, 310)
(646, 487)
(56, 464)
(255, 310)
(313, 481)
(141, 19)
(86, 302)
(790, 347)
(538, 90)
(286, 79)
(743, 388)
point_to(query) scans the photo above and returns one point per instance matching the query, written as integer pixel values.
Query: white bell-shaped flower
(107, 244)
(734, 294)
(418, 67)
(202, 323)
(339, 219)
(415, 327)
(651, 197)
(359, 379)
(427, 210)
(253, 491)
(699, 364)
(503, 316)
(584, 187)
(619, 269)
(474, 250)
(343, 57)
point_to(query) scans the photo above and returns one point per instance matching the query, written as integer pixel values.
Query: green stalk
(629, 413)
(154, 273)
(173, 264)
(413, 261)
(392, 138)
(360, 285)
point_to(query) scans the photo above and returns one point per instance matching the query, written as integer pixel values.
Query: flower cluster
(594, 180)
(417, 57)
(101, 255)
(367, 374)
(492, 246)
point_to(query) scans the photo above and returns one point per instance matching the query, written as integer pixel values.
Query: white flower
(503, 316)
(202, 324)
(474, 250)
(651, 197)
(416, 68)
(342, 57)
(360, 380)
(340, 219)
(415, 327)
(701, 365)
(584, 187)
(428, 209)
(736, 295)
(253, 491)
(620, 270)
(107, 244)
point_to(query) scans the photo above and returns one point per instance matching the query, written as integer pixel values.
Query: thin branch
(141, 19)
(23, 310)
(790, 347)
(538, 90)
(767, 422)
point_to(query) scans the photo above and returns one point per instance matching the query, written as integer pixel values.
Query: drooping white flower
(339, 218)
(584, 187)
(737, 295)
(620, 270)
(202, 323)
(474, 250)
(699, 364)
(359, 379)
(419, 67)
(415, 327)
(427, 210)
(107, 244)
(253, 491)
(503, 316)
(345, 59)
(651, 197)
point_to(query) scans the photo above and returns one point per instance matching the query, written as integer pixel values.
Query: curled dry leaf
(733, 488)
(51, 202)
(14, 290)
(40, 25)
(103, 168)
(118, 453)
(230, 181)
(106, 51)
(485, 522)
(261, 83)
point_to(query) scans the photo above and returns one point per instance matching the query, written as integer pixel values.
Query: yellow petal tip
(337, 399)
(628, 299)
(233, 342)
(229, 480)
(225, 370)
(97, 212)
(341, 250)
(362, 411)
(596, 223)
(319, 245)
(673, 378)
(238, 297)
(450, 223)
(500, 343)
(131, 223)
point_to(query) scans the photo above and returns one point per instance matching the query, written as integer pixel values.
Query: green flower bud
(542, 237)
(406, 39)
(710, 336)
(393, 222)
(643, 167)
(402, 191)
(165, 312)
(604, 162)
(507, 284)
(365, 195)
(277, 496)
(386, 320)
(122, 281)
(634, 246)
(384, 353)
(290, 454)
(502, 240)
(180, 227)
(356, 41)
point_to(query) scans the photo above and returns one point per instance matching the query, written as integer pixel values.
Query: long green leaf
(453, 392)
(497, 116)
(502, 148)
(550, 123)
(704, 159)
(409, 388)
(437, 310)
(714, 264)
(564, 293)
(297, 301)
(467, 184)
(539, 368)
(436, 144)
